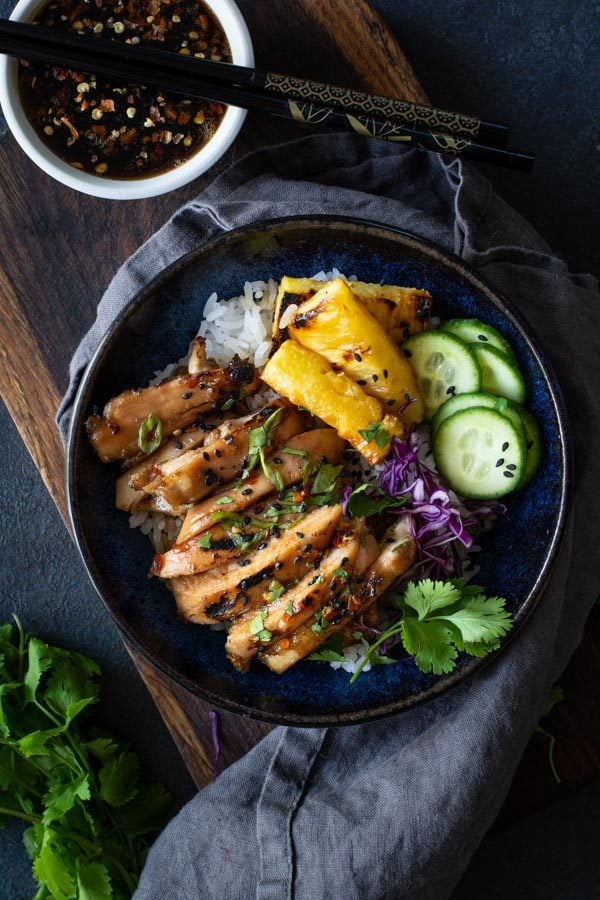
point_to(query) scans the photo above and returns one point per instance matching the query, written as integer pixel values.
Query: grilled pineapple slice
(335, 324)
(307, 379)
(402, 311)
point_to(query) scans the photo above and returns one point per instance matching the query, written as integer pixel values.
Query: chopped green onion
(150, 434)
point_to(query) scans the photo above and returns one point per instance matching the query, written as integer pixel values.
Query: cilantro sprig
(369, 499)
(77, 787)
(441, 619)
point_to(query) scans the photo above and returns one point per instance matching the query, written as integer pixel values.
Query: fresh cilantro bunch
(78, 788)
(441, 619)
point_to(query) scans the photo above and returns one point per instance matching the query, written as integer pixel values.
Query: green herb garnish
(344, 574)
(331, 651)
(441, 618)
(205, 541)
(258, 440)
(376, 432)
(150, 434)
(291, 451)
(369, 499)
(257, 623)
(275, 591)
(325, 479)
(223, 501)
(228, 403)
(77, 787)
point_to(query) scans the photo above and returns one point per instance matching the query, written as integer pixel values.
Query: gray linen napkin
(396, 808)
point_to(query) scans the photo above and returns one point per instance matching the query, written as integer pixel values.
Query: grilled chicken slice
(177, 402)
(300, 602)
(322, 444)
(226, 592)
(129, 493)
(396, 556)
(219, 544)
(198, 361)
(197, 473)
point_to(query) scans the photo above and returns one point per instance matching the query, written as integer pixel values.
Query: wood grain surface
(58, 253)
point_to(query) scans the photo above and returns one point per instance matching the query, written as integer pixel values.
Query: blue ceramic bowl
(156, 328)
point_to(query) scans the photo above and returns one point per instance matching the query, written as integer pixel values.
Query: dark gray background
(534, 65)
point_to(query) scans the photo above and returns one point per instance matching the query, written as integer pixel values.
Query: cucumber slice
(487, 401)
(534, 442)
(499, 374)
(443, 365)
(473, 331)
(480, 453)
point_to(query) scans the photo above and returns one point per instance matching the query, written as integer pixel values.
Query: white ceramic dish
(242, 53)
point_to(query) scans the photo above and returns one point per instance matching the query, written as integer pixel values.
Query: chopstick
(120, 62)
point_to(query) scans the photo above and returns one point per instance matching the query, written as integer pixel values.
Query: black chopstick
(411, 115)
(120, 63)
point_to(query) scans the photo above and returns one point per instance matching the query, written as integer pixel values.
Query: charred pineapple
(401, 310)
(335, 324)
(307, 379)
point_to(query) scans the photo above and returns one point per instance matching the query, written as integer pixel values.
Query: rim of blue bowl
(77, 434)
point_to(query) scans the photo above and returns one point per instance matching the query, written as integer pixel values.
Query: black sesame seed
(374, 377)
(390, 402)
(246, 492)
(511, 467)
(246, 520)
(451, 389)
(277, 460)
(508, 474)
(205, 455)
(202, 386)
(243, 599)
(358, 357)
(345, 561)
(481, 337)
(210, 478)
(228, 439)
(178, 445)
(500, 462)
(187, 395)
(218, 454)
(262, 545)
(278, 566)
(385, 373)
(361, 381)
(505, 446)
(307, 548)
(300, 534)
(244, 562)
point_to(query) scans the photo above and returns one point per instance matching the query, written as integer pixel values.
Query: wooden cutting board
(60, 250)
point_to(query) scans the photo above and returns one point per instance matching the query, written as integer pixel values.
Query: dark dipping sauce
(117, 131)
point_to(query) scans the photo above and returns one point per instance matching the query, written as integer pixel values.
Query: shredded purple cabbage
(440, 523)
(345, 497)
(213, 719)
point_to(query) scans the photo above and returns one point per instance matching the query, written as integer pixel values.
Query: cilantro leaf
(146, 812)
(205, 541)
(50, 869)
(62, 797)
(427, 596)
(376, 432)
(431, 645)
(324, 481)
(369, 499)
(331, 651)
(40, 658)
(481, 620)
(259, 439)
(93, 881)
(119, 778)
